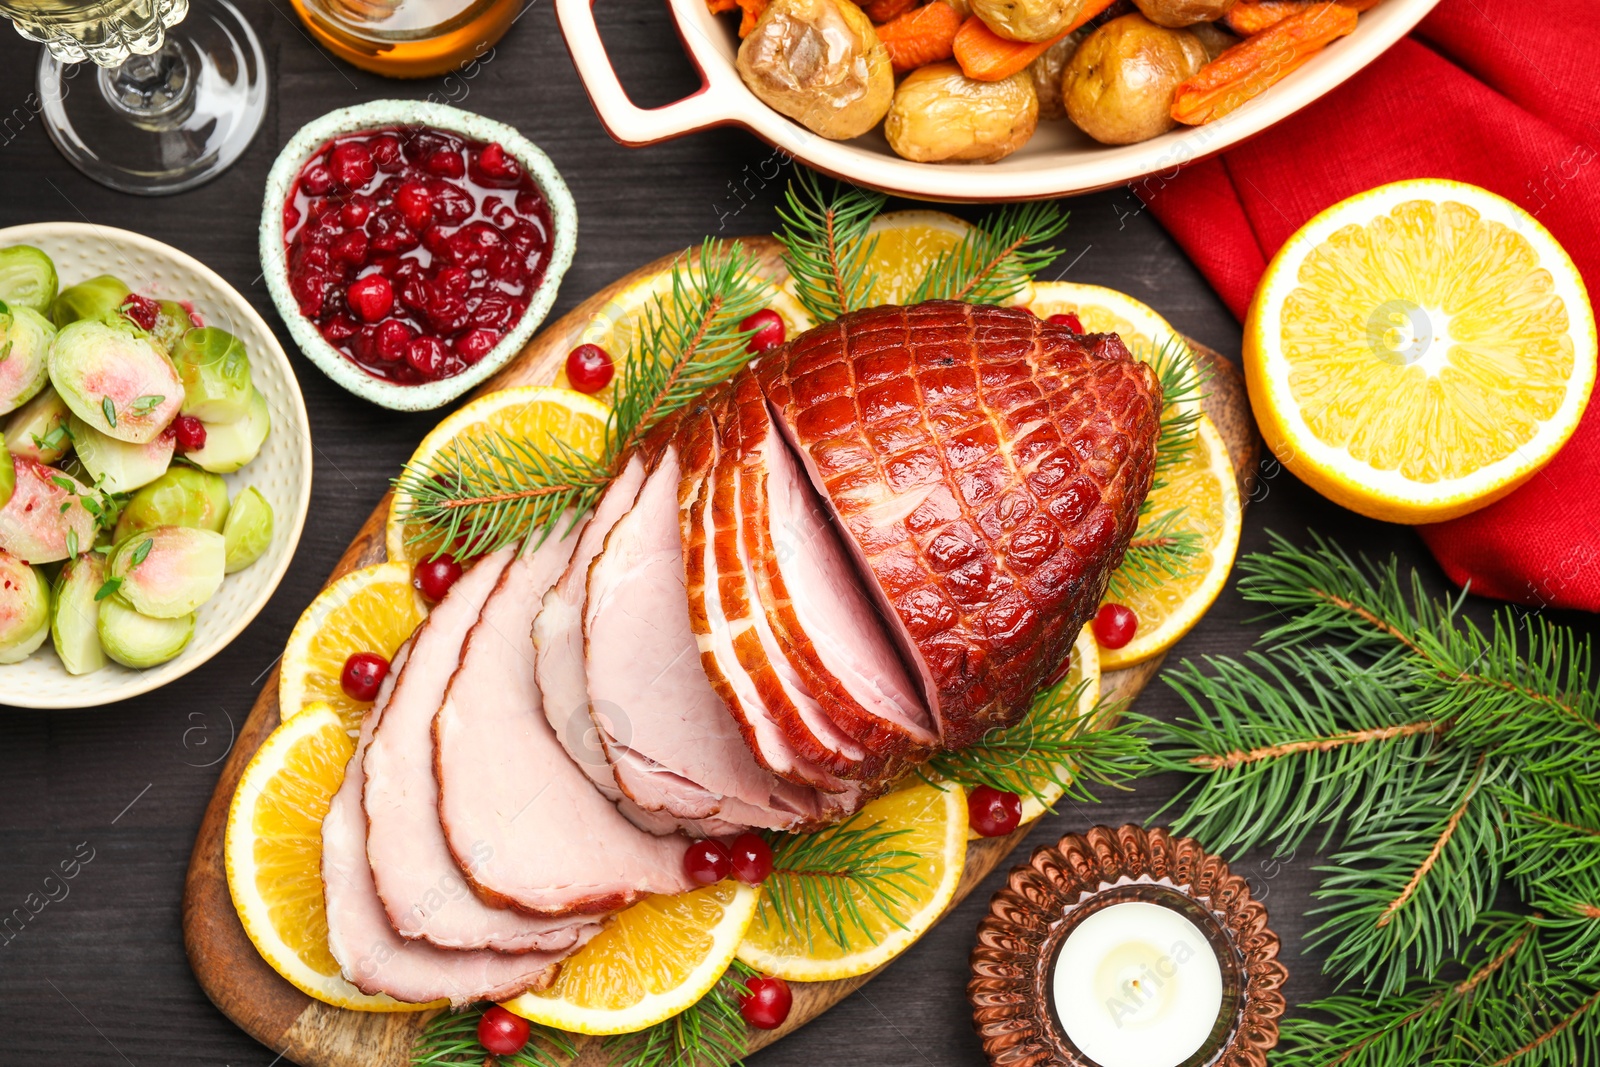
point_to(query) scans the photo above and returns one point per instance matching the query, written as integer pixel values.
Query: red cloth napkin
(1499, 93)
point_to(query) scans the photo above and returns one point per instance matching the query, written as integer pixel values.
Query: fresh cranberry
(993, 813)
(317, 180)
(475, 344)
(142, 310)
(765, 1004)
(768, 327)
(371, 297)
(351, 164)
(500, 1032)
(446, 163)
(752, 858)
(386, 152)
(351, 248)
(391, 339)
(434, 577)
(707, 862)
(1067, 319)
(493, 165)
(589, 368)
(362, 675)
(355, 211)
(188, 433)
(426, 355)
(1115, 625)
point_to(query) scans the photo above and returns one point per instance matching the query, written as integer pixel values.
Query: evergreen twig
(994, 262)
(451, 1040)
(825, 244)
(709, 1033)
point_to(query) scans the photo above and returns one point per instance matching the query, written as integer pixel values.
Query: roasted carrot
(921, 36)
(1243, 71)
(988, 57)
(887, 10)
(1250, 17)
(751, 11)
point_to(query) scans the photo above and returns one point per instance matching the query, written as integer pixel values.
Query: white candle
(1137, 985)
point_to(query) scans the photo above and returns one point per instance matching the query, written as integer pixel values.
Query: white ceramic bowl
(1058, 161)
(378, 114)
(282, 472)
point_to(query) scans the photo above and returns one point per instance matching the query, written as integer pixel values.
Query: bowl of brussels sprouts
(155, 464)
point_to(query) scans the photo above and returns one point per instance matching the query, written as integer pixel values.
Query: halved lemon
(272, 849)
(651, 962)
(929, 822)
(540, 415)
(373, 609)
(1085, 671)
(1102, 310)
(1204, 487)
(1418, 351)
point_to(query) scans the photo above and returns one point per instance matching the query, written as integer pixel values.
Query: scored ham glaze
(875, 542)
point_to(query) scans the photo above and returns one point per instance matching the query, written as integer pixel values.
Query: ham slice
(673, 746)
(416, 876)
(523, 821)
(370, 954)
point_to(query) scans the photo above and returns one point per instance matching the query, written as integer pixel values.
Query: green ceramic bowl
(376, 115)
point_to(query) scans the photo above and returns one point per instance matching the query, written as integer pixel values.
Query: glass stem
(155, 91)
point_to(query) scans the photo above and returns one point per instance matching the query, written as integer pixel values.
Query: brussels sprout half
(169, 571)
(172, 322)
(38, 429)
(25, 337)
(24, 609)
(27, 278)
(45, 520)
(230, 445)
(115, 379)
(183, 496)
(75, 619)
(93, 299)
(137, 640)
(215, 369)
(8, 473)
(248, 531)
(116, 466)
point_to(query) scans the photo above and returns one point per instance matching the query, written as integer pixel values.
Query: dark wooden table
(98, 976)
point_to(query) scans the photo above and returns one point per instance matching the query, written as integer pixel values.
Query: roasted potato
(1027, 20)
(940, 115)
(1216, 39)
(1119, 85)
(820, 63)
(1047, 71)
(1178, 13)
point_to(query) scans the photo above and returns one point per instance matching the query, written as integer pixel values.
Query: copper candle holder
(1061, 885)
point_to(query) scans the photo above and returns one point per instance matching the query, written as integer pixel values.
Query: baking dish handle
(631, 125)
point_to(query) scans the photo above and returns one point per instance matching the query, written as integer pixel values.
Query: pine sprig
(826, 883)
(994, 262)
(1159, 552)
(825, 244)
(709, 1033)
(451, 1040)
(1183, 387)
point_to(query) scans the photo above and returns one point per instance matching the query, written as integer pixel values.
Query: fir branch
(709, 1033)
(1158, 553)
(825, 244)
(997, 259)
(451, 1040)
(1182, 389)
(830, 880)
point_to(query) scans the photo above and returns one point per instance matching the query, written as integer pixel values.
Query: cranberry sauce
(414, 250)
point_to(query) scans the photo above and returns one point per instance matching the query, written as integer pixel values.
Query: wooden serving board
(308, 1032)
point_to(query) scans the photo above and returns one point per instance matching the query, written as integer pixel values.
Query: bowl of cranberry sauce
(413, 248)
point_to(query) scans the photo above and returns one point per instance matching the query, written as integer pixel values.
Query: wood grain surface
(314, 1034)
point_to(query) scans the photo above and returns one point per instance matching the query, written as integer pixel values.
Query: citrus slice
(373, 609)
(273, 854)
(927, 821)
(651, 962)
(1203, 485)
(1102, 310)
(539, 415)
(1085, 671)
(1420, 350)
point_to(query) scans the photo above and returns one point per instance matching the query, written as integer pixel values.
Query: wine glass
(159, 110)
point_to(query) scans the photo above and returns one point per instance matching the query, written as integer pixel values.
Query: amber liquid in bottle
(409, 38)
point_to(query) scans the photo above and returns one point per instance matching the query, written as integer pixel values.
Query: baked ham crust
(989, 467)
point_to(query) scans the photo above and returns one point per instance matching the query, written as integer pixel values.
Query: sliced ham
(370, 954)
(672, 744)
(416, 876)
(524, 822)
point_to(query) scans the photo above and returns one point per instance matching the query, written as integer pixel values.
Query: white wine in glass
(164, 106)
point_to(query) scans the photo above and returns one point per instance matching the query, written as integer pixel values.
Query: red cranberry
(434, 577)
(354, 213)
(766, 1004)
(475, 344)
(386, 152)
(752, 858)
(451, 203)
(362, 675)
(188, 433)
(452, 280)
(768, 327)
(426, 355)
(993, 813)
(371, 297)
(589, 368)
(351, 164)
(500, 1032)
(493, 165)
(317, 180)
(446, 163)
(706, 862)
(446, 312)
(340, 328)
(1115, 625)
(1067, 319)
(142, 310)
(494, 310)
(351, 248)
(415, 204)
(291, 217)
(390, 342)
